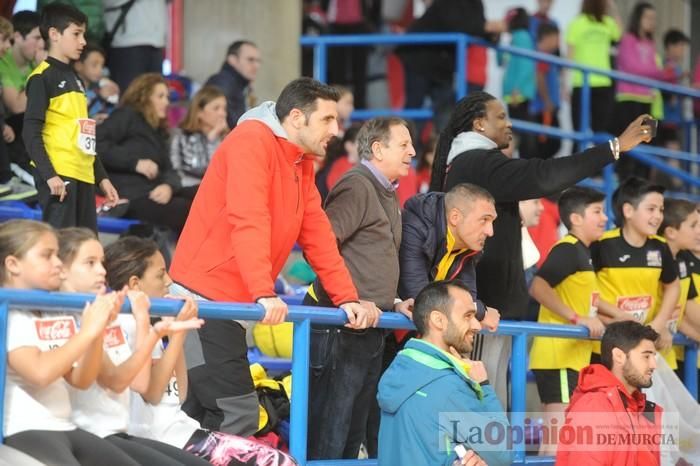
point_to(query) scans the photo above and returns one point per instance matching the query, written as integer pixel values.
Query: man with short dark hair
(257, 199)
(608, 400)
(366, 217)
(237, 72)
(431, 398)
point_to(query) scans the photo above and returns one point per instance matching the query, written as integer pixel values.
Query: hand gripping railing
(303, 316)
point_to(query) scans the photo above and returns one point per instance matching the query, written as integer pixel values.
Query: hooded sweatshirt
(474, 158)
(257, 198)
(602, 401)
(426, 397)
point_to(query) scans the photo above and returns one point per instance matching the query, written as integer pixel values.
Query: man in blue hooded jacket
(432, 399)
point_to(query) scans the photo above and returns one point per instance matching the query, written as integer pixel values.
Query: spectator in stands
(424, 167)
(681, 229)
(530, 214)
(588, 39)
(567, 289)
(200, 133)
(93, 9)
(633, 249)
(636, 54)
(429, 69)
(48, 355)
(257, 199)
(443, 236)
(133, 143)
(519, 74)
(18, 62)
(676, 45)
(103, 408)
(11, 188)
(102, 93)
(60, 137)
(363, 209)
(348, 65)
(344, 163)
(431, 398)
(135, 38)
(469, 150)
(346, 105)
(135, 263)
(237, 73)
(609, 401)
(545, 106)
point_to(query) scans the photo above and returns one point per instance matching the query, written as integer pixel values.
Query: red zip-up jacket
(601, 401)
(257, 198)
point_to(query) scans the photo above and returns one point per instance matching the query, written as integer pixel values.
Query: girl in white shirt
(103, 409)
(47, 353)
(136, 262)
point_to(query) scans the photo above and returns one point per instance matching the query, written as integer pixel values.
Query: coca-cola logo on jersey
(634, 303)
(113, 337)
(55, 329)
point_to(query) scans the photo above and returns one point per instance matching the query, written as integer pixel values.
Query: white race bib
(638, 306)
(115, 344)
(86, 136)
(54, 332)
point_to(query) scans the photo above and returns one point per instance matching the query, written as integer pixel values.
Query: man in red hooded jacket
(626, 428)
(257, 199)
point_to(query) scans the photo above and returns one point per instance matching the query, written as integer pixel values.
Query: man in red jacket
(257, 199)
(626, 428)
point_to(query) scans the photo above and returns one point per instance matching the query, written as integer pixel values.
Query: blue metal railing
(303, 316)
(585, 136)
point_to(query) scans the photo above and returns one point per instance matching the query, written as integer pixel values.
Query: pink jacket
(638, 56)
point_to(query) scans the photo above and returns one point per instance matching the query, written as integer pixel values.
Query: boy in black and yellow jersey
(567, 290)
(636, 271)
(58, 134)
(681, 228)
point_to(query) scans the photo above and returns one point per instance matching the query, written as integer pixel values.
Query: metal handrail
(303, 316)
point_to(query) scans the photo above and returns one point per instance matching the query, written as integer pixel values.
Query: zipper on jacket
(296, 180)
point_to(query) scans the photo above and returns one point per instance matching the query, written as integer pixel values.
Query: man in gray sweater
(366, 217)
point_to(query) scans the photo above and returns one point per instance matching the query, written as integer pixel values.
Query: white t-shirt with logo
(166, 421)
(28, 407)
(99, 410)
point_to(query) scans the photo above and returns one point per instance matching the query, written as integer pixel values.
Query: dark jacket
(438, 61)
(123, 139)
(600, 395)
(233, 85)
(424, 244)
(500, 276)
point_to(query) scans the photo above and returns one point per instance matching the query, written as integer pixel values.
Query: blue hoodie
(422, 395)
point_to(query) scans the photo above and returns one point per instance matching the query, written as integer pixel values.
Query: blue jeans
(344, 372)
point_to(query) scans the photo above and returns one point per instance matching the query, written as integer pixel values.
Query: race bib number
(593, 309)
(115, 344)
(172, 393)
(86, 136)
(54, 332)
(637, 306)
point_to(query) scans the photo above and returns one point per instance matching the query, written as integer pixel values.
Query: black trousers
(625, 113)
(171, 215)
(126, 63)
(69, 448)
(76, 210)
(150, 452)
(602, 100)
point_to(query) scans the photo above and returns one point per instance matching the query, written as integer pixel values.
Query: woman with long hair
(133, 145)
(200, 133)
(469, 150)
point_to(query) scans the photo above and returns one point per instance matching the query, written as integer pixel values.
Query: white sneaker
(18, 191)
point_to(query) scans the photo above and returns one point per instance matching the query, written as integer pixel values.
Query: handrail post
(300, 391)
(690, 369)
(321, 62)
(518, 378)
(585, 109)
(609, 181)
(4, 310)
(461, 66)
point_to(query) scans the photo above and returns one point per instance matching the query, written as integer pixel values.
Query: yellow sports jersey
(689, 273)
(569, 270)
(57, 107)
(630, 278)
